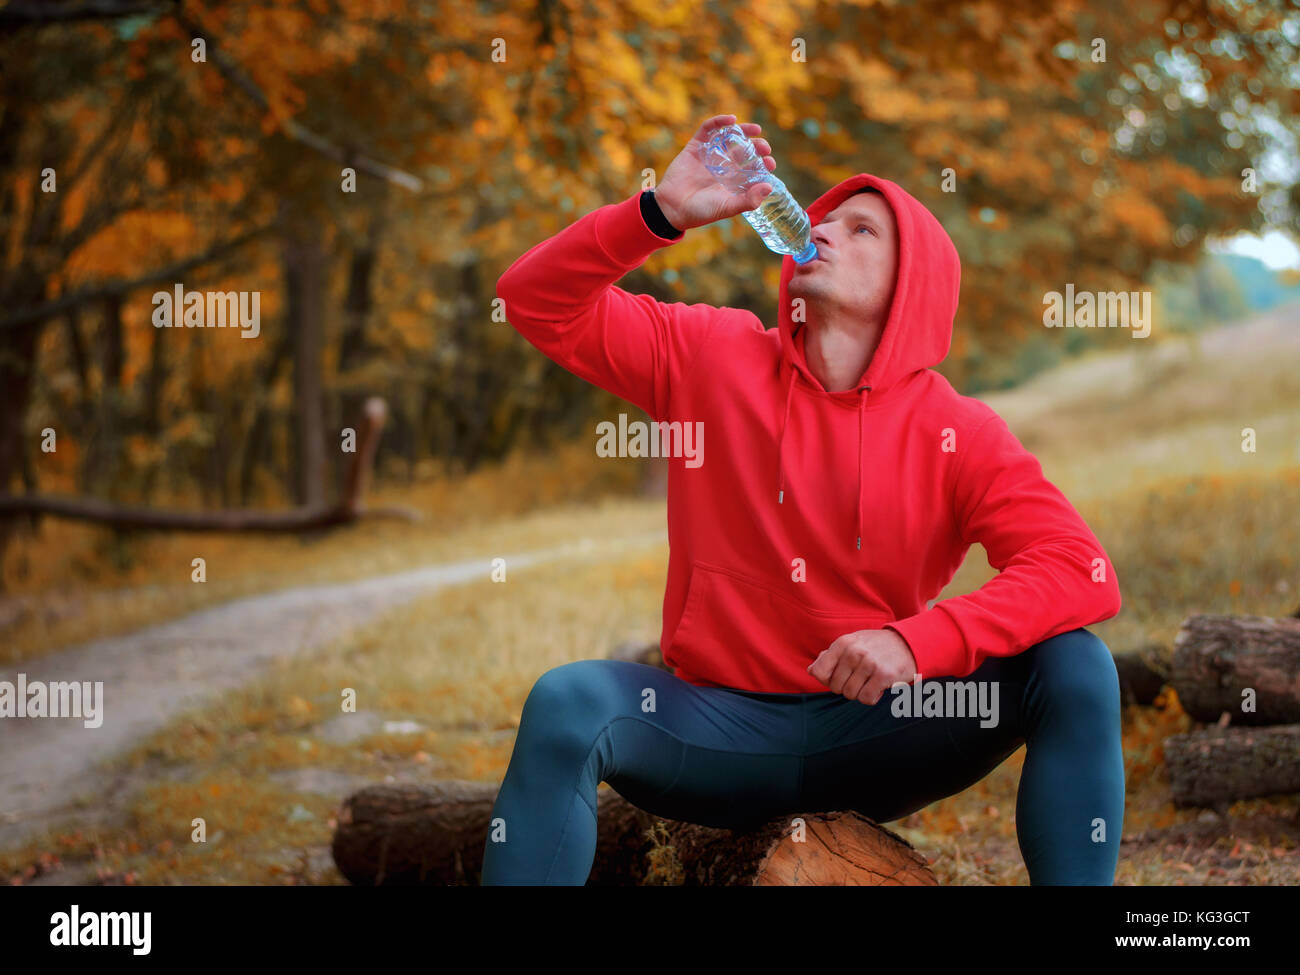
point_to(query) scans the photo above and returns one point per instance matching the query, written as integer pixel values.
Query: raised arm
(560, 294)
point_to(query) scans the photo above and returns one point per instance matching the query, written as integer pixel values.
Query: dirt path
(150, 676)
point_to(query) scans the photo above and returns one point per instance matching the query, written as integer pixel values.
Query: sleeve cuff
(654, 217)
(623, 234)
(935, 642)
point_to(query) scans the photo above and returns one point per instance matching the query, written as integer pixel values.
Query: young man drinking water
(844, 483)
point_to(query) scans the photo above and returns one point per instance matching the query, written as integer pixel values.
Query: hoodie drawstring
(780, 443)
(862, 412)
(780, 447)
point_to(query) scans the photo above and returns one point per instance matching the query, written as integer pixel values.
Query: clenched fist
(691, 196)
(863, 665)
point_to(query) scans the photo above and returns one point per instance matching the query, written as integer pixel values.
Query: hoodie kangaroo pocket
(740, 632)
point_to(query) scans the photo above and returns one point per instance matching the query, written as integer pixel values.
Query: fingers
(824, 665)
(872, 691)
(750, 129)
(717, 122)
(845, 674)
(858, 678)
(857, 682)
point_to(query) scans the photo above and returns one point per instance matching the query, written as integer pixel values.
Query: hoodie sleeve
(560, 296)
(1053, 575)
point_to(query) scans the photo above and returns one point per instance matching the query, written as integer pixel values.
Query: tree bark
(1216, 658)
(436, 834)
(1223, 764)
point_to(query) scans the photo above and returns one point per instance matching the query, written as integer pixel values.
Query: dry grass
(461, 662)
(72, 582)
(1154, 464)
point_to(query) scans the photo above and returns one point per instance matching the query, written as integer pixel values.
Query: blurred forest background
(491, 127)
(210, 144)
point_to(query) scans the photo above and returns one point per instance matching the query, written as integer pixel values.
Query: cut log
(436, 834)
(1216, 658)
(838, 849)
(413, 834)
(1222, 764)
(639, 653)
(1139, 682)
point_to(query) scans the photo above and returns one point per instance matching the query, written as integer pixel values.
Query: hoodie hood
(918, 330)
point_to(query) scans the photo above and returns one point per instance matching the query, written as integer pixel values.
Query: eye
(863, 226)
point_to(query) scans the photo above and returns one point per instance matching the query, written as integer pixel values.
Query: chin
(802, 289)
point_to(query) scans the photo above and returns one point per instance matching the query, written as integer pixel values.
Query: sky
(1275, 249)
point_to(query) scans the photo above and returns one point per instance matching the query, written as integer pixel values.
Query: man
(842, 483)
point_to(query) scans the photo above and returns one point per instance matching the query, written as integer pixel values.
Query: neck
(838, 351)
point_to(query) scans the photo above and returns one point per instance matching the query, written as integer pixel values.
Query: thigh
(706, 755)
(892, 758)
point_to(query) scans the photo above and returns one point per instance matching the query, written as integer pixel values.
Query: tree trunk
(17, 365)
(1216, 658)
(257, 435)
(103, 460)
(20, 286)
(436, 834)
(83, 409)
(1223, 764)
(153, 405)
(354, 345)
(304, 261)
(349, 507)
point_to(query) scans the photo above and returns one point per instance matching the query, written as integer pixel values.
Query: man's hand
(691, 196)
(863, 665)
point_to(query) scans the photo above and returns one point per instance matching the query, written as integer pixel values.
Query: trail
(48, 764)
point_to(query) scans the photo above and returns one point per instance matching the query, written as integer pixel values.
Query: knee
(1076, 669)
(569, 704)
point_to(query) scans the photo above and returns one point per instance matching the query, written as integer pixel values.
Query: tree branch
(233, 520)
(349, 508)
(20, 14)
(296, 131)
(75, 299)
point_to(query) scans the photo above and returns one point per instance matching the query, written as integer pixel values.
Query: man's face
(857, 244)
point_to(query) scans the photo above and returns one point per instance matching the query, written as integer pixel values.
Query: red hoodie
(815, 514)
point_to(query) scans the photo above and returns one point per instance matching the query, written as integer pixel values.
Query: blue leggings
(729, 758)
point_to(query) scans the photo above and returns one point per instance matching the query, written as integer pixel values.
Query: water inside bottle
(779, 220)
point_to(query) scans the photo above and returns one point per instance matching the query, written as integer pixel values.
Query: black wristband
(654, 217)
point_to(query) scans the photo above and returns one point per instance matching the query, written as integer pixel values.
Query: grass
(71, 582)
(1151, 458)
(460, 663)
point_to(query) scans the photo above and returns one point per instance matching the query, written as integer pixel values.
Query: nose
(819, 237)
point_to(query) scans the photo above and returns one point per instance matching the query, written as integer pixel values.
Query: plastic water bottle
(779, 220)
